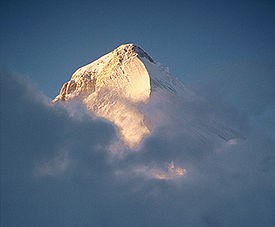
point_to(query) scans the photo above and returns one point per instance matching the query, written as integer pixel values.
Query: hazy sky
(49, 40)
(56, 165)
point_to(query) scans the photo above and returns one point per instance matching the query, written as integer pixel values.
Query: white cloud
(227, 183)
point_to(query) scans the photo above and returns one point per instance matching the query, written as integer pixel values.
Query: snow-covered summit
(113, 86)
(131, 49)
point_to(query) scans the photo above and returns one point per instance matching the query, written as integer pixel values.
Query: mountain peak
(130, 49)
(113, 87)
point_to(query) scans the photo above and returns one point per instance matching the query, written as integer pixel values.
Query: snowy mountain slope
(114, 85)
(128, 88)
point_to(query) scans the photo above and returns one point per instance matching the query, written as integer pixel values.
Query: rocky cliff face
(113, 87)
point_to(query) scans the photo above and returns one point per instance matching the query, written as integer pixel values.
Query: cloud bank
(57, 168)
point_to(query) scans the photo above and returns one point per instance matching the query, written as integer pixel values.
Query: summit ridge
(131, 48)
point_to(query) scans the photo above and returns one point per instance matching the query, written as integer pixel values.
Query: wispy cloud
(57, 166)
